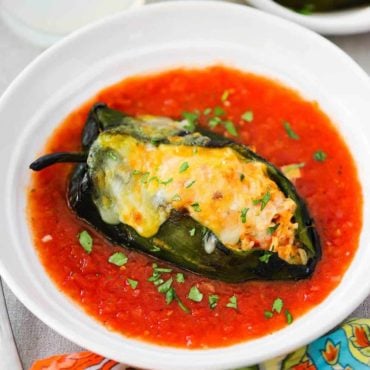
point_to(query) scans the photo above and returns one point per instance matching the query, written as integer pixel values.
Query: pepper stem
(61, 157)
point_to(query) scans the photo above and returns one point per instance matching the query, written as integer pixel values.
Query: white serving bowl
(344, 22)
(156, 37)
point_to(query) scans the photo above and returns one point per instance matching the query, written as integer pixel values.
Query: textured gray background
(34, 339)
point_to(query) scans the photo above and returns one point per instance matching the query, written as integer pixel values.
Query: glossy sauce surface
(330, 188)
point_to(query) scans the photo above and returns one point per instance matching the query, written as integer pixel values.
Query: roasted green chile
(173, 242)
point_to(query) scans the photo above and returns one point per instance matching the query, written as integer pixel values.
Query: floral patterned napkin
(345, 348)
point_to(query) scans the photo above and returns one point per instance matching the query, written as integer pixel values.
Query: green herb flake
(225, 95)
(112, 155)
(272, 229)
(192, 231)
(145, 178)
(184, 166)
(162, 270)
(158, 282)
(243, 215)
(196, 207)
(263, 201)
(166, 182)
(133, 283)
(192, 120)
(213, 301)
(292, 167)
(180, 278)
(265, 257)
(170, 295)
(154, 248)
(218, 111)
(86, 241)
(248, 116)
(290, 131)
(190, 184)
(230, 128)
(278, 304)
(176, 198)
(288, 317)
(195, 295)
(214, 121)
(233, 302)
(242, 177)
(268, 314)
(119, 259)
(137, 172)
(319, 156)
(181, 305)
(207, 111)
(163, 288)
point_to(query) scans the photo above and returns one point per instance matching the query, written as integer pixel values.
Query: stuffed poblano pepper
(310, 6)
(190, 197)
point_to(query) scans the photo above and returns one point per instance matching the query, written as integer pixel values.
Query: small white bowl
(343, 22)
(157, 37)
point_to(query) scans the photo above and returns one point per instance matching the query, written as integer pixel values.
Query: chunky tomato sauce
(330, 188)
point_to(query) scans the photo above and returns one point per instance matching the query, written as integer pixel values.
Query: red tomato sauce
(330, 188)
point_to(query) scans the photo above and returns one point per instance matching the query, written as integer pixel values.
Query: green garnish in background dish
(288, 317)
(195, 294)
(133, 283)
(170, 295)
(248, 116)
(290, 131)
(278, 304)
(230, 128)
(225, 95)
(268, 314)
(213, 300)
(214, 121)
(207, 111)
(218, 111)
(180, 278)
(86, 241)
(119, 259)
(319, 156)
(163, 288)
(192, 120)
(233, 302)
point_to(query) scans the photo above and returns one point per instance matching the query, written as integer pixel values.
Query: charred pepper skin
(308, 6)
(172, 243)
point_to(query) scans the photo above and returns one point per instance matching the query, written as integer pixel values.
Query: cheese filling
(139, 184)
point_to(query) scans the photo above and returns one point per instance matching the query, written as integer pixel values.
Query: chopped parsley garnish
(214, 121)
(189, 184)
(180, 278)
(290, 131)
(112, 155)
(268, 314)
(263, 201)
(192, 231)
(154, 248)
(277, 306)
(292, 167)
(162, 270)
(159, 281)
(196, 207)
(213, 300)
(218, 111)
(176, 197)
(265, 257)
(181, 305)
(272, 229)
(166, 182)
(145, 178)
(163, 288)
(248, 116)
(319, 156)
(288, 317)
(133, 283)
(86, 241)
(230, 128)
(192, 120)
(207, 111)
(119, 259)
(195, 295)
(184, 166)
(233, 302)
(242, 177)
(225, 95)
(170, 295)
(243, 215)
(137, 172)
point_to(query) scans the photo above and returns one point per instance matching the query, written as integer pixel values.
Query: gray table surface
(34, 339)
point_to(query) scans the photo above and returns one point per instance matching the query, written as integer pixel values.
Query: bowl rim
(201, 355)
(345, 22)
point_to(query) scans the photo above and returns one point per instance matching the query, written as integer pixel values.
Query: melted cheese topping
(141, 183)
